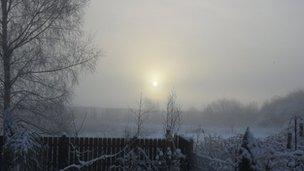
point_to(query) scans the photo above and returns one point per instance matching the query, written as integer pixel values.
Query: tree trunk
(6, 62)
(7, 78)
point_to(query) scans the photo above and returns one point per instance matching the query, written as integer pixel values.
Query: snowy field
(189, 131)
(116, 122)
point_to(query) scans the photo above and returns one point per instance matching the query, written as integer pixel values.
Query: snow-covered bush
(248, 152)
(275, 156)
(134, 159)
(245, 151)
(137, 159)
(217, 153)
(169, 159)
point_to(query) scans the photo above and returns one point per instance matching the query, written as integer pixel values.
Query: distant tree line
(274, 112)
(224, 112)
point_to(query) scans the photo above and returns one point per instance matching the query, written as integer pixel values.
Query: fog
(206, 50)
(223, 117)
(180, 84)
(229, 62)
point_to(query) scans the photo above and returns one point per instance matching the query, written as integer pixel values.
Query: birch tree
(43, 51)
(173, 117)
(140, 114)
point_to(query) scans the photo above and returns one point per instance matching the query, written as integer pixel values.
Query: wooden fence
(58, 152)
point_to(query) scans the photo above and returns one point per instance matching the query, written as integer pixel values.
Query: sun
(154, 83)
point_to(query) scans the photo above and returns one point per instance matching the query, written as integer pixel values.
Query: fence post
(289, 140)
(301, 126)
(190, 155)
(63, 151)
(187, 148)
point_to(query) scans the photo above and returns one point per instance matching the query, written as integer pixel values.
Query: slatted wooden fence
(58, 152)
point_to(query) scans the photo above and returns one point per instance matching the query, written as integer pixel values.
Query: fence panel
(58, 152)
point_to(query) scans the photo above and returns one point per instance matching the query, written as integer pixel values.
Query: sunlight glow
(155, 83)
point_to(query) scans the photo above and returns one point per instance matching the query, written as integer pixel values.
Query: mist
(221, 117)
(206, 50)
(151, 85)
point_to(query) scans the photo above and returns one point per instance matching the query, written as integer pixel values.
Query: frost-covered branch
(83, 164)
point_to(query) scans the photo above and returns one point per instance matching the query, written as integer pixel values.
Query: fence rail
(58, 152)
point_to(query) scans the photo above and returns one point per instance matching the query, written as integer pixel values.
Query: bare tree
(43, 50)
(140, 113)
(173, 116)
(78, 127)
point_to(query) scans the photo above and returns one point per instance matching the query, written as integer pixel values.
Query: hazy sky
(206, 49)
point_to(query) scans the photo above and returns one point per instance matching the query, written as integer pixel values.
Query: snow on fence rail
(59, 152)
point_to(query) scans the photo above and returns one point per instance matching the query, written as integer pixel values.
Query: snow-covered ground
(156, 131)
